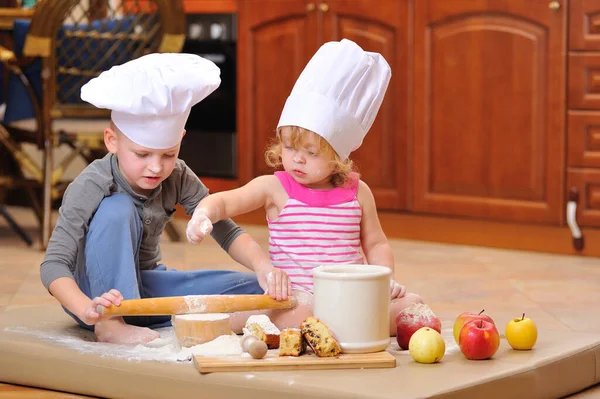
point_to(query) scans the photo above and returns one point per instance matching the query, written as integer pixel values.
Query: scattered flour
(195, 303)
(225, 345)
(163, 349)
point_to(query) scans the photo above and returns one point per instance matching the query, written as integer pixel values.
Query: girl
(318, 210)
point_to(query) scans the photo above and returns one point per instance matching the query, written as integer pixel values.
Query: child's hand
(275, 282)
(90, 315)
(396, 290)
(198, 227)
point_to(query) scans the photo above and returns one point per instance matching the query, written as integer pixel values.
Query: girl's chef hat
(338, 95)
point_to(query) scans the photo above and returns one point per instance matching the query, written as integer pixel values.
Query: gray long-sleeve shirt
(102, 178)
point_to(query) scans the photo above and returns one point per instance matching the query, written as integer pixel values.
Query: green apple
(426, 345)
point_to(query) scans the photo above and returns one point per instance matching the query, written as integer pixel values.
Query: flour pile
(163, 349)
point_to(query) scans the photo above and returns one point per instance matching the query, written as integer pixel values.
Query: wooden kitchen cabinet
(489, 109)
(583, 110)
(491, 119)
(276, 40)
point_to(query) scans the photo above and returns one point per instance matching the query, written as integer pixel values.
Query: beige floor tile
(580, 291)
(581, 318)
(6, 297)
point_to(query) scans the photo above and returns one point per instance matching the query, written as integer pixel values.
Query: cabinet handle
(554, 6)
(324, 7)
(310, 7)
(572, 219)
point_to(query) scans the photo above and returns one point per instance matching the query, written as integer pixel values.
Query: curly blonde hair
(341, 168)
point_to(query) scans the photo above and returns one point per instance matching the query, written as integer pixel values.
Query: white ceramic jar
(354, 302)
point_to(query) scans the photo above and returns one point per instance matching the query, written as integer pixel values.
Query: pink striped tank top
(315, 227)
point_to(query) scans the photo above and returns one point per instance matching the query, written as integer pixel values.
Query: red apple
(466, 317)
(412, 318)
(478, 340)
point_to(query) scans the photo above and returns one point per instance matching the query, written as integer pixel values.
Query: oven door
(209, 146)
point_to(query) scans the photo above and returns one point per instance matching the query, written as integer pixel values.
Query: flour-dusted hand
(396, 290)
(199, 226)
(275, 282)
(90, 315)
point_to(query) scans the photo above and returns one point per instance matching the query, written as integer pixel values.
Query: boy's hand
(90, 315)
(275, 282)
(198, 227)
(396, 290)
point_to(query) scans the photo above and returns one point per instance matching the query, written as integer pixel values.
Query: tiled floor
(558, 292)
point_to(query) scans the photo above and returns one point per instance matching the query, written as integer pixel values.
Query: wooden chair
(67, 43)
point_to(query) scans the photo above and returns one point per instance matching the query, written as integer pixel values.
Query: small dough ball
(257, 349)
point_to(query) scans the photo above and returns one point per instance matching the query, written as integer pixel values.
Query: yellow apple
(521, 334)
(426, 345)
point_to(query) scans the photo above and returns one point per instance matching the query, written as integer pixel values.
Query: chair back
(78, 39)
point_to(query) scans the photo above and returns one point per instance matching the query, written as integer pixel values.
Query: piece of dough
(195, 329)
(261, 327)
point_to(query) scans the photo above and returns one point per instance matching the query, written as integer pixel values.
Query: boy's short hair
(341, 168)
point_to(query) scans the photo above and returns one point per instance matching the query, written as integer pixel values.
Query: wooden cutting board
(309, 361)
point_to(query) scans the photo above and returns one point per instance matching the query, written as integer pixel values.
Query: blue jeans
(111, 261)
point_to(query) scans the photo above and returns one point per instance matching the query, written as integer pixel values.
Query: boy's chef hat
(338, 95)
(151, 97)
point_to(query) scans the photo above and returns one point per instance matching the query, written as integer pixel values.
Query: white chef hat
(338, 95)
(151, 97)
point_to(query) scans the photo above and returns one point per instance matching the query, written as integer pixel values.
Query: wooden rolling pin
(195, 304)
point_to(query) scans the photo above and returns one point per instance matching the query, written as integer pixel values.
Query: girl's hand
(275, 282)
(396, 290)
(198, 227)
(90, 315)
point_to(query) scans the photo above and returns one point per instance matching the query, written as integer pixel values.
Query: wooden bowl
(196, 329)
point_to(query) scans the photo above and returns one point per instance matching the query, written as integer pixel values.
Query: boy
(105, 244)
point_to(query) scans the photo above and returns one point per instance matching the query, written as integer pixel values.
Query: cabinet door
(584, 25)
(275, 41)
(382, 159)
(587, 184)
(583, 139)
(489, 109)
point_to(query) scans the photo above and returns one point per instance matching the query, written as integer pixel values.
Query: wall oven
(210, 146)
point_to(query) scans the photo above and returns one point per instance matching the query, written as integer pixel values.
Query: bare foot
(292, 318)
(397, 305)
(116, 331)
